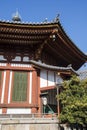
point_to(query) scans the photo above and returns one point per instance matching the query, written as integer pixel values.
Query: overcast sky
(73, 15)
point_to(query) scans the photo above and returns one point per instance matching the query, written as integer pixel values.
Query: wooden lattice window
(20, 86)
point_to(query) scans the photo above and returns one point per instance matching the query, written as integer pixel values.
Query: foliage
(73, 99)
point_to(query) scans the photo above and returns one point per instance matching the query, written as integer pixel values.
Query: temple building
(34, 58)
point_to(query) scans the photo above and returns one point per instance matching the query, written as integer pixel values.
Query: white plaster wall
(30, 89)
(9, 90)
(43, 78)
(3, 87)
(0, 111)
(47, 78)
(18, 111)
(51, 78)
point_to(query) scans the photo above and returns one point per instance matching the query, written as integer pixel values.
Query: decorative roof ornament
(70, 65)
(46, 20)
(16, 17)
(57, 18)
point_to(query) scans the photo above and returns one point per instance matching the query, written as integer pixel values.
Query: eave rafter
(18, 38)
(64, 51)
(71, 47)
(39, 50)
(56, 52)
(41, 46)
(24, 34)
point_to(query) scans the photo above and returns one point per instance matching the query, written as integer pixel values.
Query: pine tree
(73, 99)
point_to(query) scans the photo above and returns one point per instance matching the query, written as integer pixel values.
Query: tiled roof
(51, 67)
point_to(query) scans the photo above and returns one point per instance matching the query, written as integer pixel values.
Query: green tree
(73, 99)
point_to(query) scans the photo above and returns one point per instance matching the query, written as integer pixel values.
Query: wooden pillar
(5, 89)
(6, 86)
(34, 91)
(39, 99)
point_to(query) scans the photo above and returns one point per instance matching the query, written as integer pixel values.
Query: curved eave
(70, 44)
(17, 32)
(22, 25)
(67, 70)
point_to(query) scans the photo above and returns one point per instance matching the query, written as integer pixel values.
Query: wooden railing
(35, 115)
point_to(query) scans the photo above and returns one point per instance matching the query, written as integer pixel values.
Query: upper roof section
(50, 36)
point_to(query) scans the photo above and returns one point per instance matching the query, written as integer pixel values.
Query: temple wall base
(29, 124)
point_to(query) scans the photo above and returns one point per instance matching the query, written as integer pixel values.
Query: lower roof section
(67, 70)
